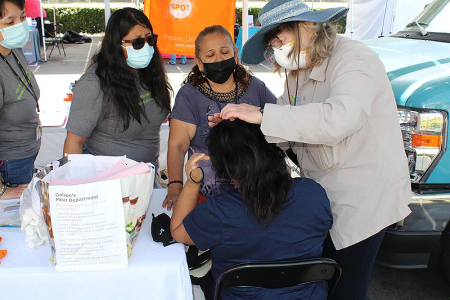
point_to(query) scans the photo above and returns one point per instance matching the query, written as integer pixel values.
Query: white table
(154, 271)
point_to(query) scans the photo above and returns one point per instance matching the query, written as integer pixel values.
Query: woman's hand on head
(243, 111)
(14, 192)
(192, 169)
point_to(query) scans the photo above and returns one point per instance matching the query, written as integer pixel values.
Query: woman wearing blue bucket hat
(337, 115)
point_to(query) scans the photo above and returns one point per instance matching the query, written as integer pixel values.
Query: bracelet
(175, 181)
(3, 189)
(203, 175)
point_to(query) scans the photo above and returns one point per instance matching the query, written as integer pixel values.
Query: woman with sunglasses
(121, 101)
(20, 134)
(216, 80)
(340, 118)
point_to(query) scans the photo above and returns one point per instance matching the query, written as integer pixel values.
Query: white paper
(87, 222)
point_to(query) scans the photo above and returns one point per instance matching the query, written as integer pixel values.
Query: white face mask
(289, 63)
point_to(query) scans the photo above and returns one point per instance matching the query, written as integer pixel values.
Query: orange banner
(178, 22)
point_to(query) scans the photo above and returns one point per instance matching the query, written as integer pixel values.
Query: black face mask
(220, 71)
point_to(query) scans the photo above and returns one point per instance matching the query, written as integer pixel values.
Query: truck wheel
(445, 251)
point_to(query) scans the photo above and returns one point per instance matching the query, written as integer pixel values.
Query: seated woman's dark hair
(116, 80)
(196, 77)
(19, 3)
(239, 151)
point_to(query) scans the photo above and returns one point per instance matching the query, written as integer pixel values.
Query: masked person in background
(121, 101)
(215, 81)
(20, 134)
(339, 115)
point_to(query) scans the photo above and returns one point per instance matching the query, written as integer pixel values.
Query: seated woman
(271, 217)
(121, 101)
(216, 80)
(20, 135)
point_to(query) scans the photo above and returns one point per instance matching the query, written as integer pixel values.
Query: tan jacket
(347, 137)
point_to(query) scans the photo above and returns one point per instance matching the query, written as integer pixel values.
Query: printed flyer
(88, 226)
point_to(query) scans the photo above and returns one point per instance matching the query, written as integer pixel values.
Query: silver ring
(170, 201)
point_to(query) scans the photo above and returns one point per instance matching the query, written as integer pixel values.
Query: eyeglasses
(140, 42)
(274, 43)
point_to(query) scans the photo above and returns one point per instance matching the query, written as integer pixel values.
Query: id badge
(38, 131)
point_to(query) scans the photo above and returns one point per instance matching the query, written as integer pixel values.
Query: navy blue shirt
(233, 234)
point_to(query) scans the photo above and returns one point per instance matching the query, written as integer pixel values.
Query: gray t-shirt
(191, 106)
(104, 131)
(18, 116)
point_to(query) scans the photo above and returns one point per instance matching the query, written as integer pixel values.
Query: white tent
(369, 19)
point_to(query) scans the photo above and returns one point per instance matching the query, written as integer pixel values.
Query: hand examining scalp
(243, 111)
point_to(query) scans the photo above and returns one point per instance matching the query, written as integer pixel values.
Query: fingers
(14, 192)
(168, 204)
(213, 120)
(243, 111)
(170, 201)
(196, 157)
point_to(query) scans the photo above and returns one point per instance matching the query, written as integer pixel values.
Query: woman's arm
(73, 143)
(180, 136)
(187, 200)
(11, 192)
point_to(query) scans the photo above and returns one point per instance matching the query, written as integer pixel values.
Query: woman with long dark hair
(216, 80)
(121, 101)
(270, 217)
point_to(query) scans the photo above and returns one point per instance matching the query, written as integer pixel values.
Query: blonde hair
(322, 41)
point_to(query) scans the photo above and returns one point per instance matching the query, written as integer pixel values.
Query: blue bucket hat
(277, 12)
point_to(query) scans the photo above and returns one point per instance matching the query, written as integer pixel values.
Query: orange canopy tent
(178, 22)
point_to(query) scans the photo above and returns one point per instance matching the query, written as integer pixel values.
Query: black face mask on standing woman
(220, 71)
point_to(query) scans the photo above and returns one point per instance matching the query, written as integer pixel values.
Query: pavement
(55, 76)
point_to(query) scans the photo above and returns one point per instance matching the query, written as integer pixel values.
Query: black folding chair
(53, 36)
(273, 275)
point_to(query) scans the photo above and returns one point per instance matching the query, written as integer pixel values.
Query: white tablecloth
(154, 271)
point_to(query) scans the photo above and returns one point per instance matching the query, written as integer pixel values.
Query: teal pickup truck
(417, 61)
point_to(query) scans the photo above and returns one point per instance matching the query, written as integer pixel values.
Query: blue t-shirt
(191, 106)
(233, 234)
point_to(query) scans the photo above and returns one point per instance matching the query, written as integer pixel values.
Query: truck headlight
(423, 133)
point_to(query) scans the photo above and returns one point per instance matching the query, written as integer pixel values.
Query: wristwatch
(261, 110)
(2, 191)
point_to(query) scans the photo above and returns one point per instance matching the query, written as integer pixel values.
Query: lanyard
(217, 101)
(28, 86)
(289, 94)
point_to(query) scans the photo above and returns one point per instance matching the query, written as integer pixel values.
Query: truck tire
(445, 251)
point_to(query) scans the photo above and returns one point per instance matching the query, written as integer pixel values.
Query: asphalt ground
(54, 78)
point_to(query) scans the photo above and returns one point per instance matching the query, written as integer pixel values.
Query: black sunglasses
(140, 42)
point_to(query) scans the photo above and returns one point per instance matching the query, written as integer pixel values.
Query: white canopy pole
(43, 31)
(351, 27)
(244, 21)
(107, 11)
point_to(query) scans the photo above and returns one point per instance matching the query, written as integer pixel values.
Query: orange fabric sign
(178, 22)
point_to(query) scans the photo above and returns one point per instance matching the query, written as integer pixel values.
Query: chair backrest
(273, 275)
(59, 28)
(49, 30)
